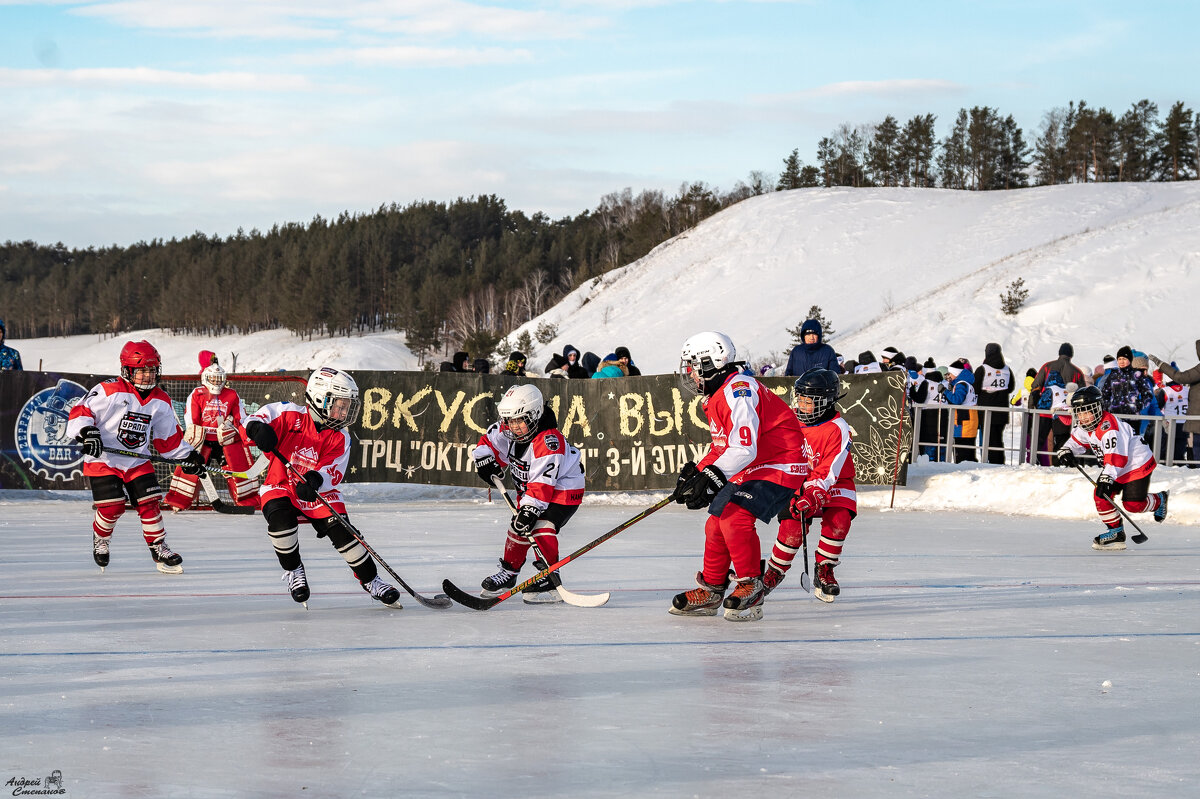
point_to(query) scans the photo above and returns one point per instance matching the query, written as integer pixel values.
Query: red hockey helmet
(140, 355)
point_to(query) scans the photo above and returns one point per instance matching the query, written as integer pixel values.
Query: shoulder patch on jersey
(552, 443)
(740, 389)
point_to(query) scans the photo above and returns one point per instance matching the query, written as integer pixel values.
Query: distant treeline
(460, 274)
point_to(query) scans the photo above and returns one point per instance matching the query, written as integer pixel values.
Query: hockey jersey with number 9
(545, 470)
(1124, 455)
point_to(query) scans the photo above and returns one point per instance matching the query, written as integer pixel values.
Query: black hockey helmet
(1087, 406)
(821, 386)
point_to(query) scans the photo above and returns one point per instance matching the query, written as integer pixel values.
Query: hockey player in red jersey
(314, 439)
(1127, 465)
(829, 491)
(753, 469)
(213, 423)
(132, 413)
(548, 474)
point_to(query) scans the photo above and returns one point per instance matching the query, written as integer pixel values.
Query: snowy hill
(918, 269)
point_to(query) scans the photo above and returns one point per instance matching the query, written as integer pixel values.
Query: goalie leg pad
(183, 490)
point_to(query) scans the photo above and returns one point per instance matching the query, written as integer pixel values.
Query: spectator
(1126, 390)
(891, 359)
(482, 366)
(1173, 399)
(626, 360)
(920, 392)
(575, 369)
(1149, 407)
(515, 364)
(557, 367)
(867, 364)
(812, 352)
(1051, 379)
(994, 385)
(10, 359)
(590, 362)
(941, 419)
(610, 367)
(1187, 378)
(459, 364)
(960, 391)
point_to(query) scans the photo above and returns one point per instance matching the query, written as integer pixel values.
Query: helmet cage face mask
(332, 396)
(704, 362)
(137, 355)
(520, 404)
(820, 386)
(213, 378)
(1086, 409)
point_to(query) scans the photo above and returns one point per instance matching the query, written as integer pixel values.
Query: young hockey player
(753, 469)
(1127, 461)
(214, 417)
(829, 491)
(314, 439)
(548, 474)
(132, 413)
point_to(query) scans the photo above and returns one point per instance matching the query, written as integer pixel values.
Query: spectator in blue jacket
(811, 352)
(960, 391)
(610, 367)
(10, 359)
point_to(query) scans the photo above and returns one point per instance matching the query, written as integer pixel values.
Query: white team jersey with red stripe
(208, 410)
(308, 449)
(127, 421)
(1124, 455)
(830, 461)
(755, 435)
(547, 469)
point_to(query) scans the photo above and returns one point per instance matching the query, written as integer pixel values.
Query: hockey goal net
(255, 391)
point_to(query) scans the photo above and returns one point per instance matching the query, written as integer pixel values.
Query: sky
(135, 120)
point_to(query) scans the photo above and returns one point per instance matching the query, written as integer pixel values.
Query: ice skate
(499, 582)
(745, 603)
(387, 594)
(1111, 540)
(771, 578)
(100, 551)
(1160, 513)
(705, 600)
(297, 584)
(825, 585)
(542, 592)
(168, 561)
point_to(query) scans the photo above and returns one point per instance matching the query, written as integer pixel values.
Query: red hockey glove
(807, 504)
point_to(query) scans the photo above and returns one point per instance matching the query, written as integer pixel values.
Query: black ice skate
(825, 585)
(1160, 513)
(542, 592)
(704, 600)
(500, 582)
(100, 551)
(745, 603)
(1111, 540)
(297, 584)
(387, 594)
(168, 561)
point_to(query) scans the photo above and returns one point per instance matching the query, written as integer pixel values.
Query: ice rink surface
(969, 655)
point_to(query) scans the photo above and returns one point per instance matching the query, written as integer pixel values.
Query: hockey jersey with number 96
(545, 470)
(1124, 455)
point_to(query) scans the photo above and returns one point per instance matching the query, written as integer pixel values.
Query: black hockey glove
(1065, 457)
(89, 437)
(688, 471)
(524, 520)
(700, 487)
(262, 435)
(194, 464)
(487, 468)
(1105, 485)
(307, 490)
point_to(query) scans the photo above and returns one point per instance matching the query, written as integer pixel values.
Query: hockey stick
(570, 597)
(218, 504)
(484, 603)
(180, 462)
(1137, 538)
(805, 580)
(439, 601)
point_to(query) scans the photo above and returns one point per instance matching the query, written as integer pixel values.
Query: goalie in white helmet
(214, 418)
(314, 439)
(548, 475)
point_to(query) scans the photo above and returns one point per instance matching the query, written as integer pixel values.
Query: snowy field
(970, 654)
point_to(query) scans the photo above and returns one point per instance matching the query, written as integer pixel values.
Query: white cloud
(405, 56)
(874, 88)
(120, 77)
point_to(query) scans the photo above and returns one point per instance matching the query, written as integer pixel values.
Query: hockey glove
(262, 435)
(807, 505)
(92, 443)
(688, 471)
(193, 464)
(307, 490)
(1065, 457)
(1105, 485)
(487, 468)
(700, 488)
(524, 520)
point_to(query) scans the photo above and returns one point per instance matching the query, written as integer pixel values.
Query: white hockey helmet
(523, 403)
(332, 396)
(704, 360)
(213, 378)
